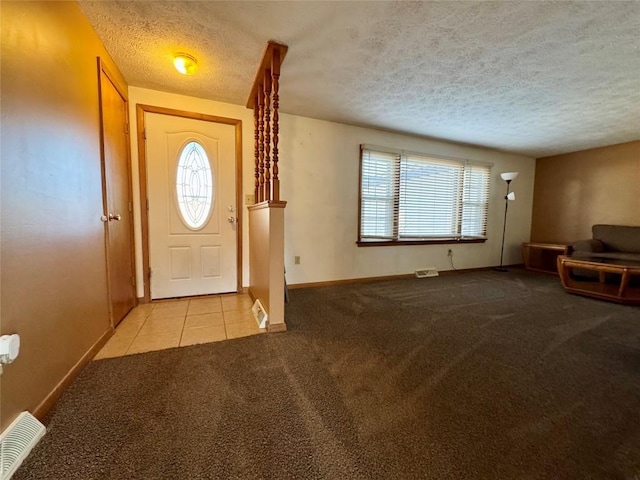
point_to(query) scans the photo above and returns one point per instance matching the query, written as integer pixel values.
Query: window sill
(435, 241)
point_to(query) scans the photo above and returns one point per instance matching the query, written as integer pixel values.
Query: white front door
(192, 206)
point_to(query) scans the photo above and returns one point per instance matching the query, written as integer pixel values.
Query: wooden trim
(144, 204)
(347, 281)
(141, 109)
(239, 205)
(265, 64)
(277, 327)
(114, 78)
(267, 204)
(399, 243)
(40, 412)
(404, 276)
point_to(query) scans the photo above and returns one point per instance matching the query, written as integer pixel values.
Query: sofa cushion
(632, 258)
(588, 246)
(618, 238)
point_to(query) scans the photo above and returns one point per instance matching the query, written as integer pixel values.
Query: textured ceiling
(536, 78)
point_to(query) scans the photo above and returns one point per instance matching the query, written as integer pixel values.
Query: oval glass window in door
(194, 185)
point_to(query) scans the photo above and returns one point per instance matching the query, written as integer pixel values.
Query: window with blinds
(412, 197)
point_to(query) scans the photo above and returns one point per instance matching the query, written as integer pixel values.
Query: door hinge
(130, 206)
(144, 133)
(149, 273)
(126, 128)
(133, 282)
(147, 204)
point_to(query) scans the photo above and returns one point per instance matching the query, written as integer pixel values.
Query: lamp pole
(507, 177)
(504, 227)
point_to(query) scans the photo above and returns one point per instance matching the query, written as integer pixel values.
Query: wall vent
(260, 314)
(17, 441)
(427, 272)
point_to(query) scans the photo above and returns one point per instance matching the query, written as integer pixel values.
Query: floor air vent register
(427, 272)
(17, 441)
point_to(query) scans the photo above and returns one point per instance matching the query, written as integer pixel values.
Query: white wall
(319, 164)
(319, 175)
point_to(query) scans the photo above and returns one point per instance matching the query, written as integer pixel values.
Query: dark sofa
(616, 242)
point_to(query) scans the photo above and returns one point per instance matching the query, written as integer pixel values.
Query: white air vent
(17, 441)
(427, 272)
(260, 314)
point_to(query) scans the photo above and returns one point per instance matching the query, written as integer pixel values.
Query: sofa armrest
(593, 246)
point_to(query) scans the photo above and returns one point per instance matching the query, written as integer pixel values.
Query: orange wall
(576, 190)
(54, 289)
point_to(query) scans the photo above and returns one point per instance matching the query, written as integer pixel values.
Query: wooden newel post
(275, 74)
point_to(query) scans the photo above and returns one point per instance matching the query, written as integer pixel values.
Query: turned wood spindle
(267, 135)
(275, 74)
(257, 150)
(261, 146)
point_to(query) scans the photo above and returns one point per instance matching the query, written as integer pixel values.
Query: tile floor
(177, 323)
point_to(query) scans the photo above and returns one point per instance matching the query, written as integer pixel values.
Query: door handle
(117, 217)
(232, 219)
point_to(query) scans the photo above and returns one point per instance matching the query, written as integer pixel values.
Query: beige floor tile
(237, 330)
(144, 307)
(136, 314)
(115, 347)
(204, 320)
(239, 316)
(193, 336)
(204, 305)
(157, 341)
(236, 302)
(160, 304)
(172, 311)
(129, 327)
(162, 325)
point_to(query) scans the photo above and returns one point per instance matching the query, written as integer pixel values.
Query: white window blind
(379, 193)
(407, 196)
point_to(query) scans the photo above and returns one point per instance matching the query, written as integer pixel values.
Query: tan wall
(576, 190)
(54, 290)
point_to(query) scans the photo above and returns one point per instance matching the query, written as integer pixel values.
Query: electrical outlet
(449, 253)
(296, 260)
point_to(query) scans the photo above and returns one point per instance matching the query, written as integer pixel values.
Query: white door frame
(144, 201)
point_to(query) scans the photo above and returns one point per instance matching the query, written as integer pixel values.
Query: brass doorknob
(115, 217)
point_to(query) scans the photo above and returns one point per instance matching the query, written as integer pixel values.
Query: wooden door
(192, 206)
(118, 206)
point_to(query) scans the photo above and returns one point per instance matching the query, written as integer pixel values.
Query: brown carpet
(479, 375)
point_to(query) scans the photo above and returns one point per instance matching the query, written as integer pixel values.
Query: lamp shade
(185, 64)
(511, 196)
(508, 176)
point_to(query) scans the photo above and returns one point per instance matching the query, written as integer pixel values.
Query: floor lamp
(507, 177)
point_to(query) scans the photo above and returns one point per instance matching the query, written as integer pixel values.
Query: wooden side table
(542, 257)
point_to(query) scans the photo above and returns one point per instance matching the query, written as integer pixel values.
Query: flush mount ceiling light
(185, 64)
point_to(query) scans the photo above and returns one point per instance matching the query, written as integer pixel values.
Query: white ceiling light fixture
(185, 64)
